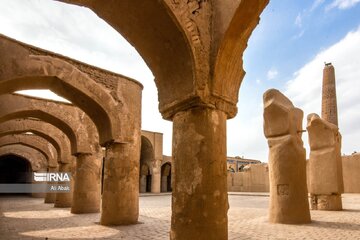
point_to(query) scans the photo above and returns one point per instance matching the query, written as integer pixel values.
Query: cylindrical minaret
(329, 105)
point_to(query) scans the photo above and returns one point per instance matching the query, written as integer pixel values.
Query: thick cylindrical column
(50, 196)
(155, 181)
(38, 194)
(86, 196)
(199, 198)
(120, 199)
(64, 200)
(329, 105)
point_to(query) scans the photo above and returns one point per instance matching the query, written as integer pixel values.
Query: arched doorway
(166, 178)
(14, 169)
(145, 179)
(147, 157)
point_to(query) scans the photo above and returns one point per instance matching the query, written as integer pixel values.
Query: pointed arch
(25, 67)
(155, 32)
(41, 129)
(75, 125)
(37, 159)
(28, 141)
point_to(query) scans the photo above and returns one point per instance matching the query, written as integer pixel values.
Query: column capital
(214, 102)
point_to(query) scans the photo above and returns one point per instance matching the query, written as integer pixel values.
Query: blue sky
(286, 51)
(292, 32)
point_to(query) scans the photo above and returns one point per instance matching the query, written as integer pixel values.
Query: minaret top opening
(327, 64)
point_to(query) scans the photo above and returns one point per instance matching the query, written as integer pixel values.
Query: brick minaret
(329, 105)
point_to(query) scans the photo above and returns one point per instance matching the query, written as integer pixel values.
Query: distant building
(237, 164)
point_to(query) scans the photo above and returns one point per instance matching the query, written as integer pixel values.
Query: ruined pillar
(199, 197)
(50, 196)
(287, 164)
(120, 199)
(86, 196)
(325, 166)
(64, 200)
(329, 105)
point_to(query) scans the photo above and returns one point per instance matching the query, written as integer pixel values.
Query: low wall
(351, 173)
(254, 178)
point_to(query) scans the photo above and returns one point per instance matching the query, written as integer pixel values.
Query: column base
(62, 202)
(86, 203)
(38, 195)
(326, 202)
(50, 198)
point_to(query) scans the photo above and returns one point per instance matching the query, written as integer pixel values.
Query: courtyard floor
(23, 217)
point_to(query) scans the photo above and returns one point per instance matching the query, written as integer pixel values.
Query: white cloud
(299, 35)
(298, 20)
(271, 74)
(342, 4)
(305, 89)
(306, 13)
(316, 4)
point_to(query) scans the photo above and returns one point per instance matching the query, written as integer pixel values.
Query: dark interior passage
(14, 169)
(166, 178)
(148, 182)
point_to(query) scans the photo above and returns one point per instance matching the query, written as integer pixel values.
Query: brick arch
(37, 159)
(144, 169)
(25, 67)
(228, 63)
(166, 177)
(147, 154)
(47, 131)
(32, 141)
(153, 29)
(69, 119)
(166, 169)
(194, 48)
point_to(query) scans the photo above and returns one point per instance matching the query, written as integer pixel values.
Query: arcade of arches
(198, 71)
